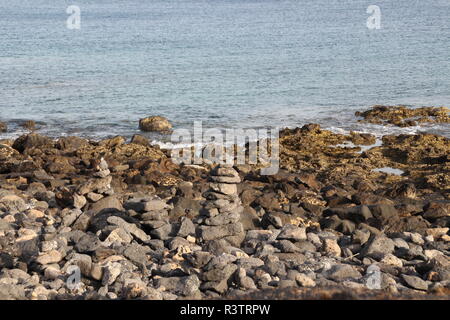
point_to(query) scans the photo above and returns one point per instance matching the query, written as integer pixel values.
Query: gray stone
(129, 227)
(155, 205)
(110, 273)
(441, 265)
(12, 292)
(217, 274)
(415, 282)
(106, 203)
(82, 261)
(185, 286)
(377, 247)
(341, 272)
(187, 227)
(137, 254)
(12, 204)
(218, 232)
(224, 188)
(87, 243)
(292, 232)
(164, 232)
(222, 219)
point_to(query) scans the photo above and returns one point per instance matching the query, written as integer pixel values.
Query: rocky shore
(112, 219)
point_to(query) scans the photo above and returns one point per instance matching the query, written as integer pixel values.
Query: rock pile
(220, 217)
(150, 229)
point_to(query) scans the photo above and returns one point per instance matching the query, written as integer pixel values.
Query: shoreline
(15, 128)
(139, 226)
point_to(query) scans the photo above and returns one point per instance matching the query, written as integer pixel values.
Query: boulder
(32, 140)
(141, 140)
(155, 123)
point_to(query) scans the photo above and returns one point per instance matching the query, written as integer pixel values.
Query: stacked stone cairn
(220, 217)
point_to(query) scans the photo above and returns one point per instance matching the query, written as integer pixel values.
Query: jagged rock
(12, 204)
(129, 227)
(95, 185)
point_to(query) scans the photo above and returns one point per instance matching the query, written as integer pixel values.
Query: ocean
(227, 63)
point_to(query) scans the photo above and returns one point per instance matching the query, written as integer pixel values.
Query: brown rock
(141, 140)
(155, 123)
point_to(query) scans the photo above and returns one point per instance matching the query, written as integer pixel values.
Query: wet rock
(155, 123)
(3, 127)
(29, 124)
(403, 116)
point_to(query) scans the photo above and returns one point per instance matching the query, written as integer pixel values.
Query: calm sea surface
(229, 63)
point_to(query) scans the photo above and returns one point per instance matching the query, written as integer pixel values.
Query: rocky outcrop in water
(155, 123)
(403, 116)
